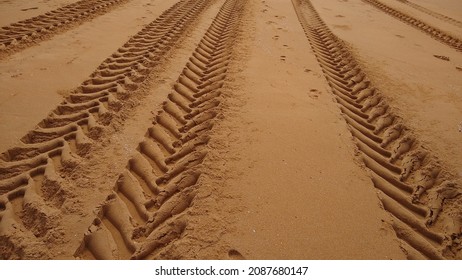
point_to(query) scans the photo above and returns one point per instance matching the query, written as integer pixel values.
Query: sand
(231, 129)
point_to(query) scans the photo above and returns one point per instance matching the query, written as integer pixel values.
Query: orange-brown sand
(231, 129)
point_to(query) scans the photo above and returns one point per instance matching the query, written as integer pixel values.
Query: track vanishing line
(434, 32)
(148, 207)
(31, 191)
(26, 32)
(413, 187)
(432, 13)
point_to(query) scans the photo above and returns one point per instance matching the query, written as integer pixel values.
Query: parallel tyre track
(22, 33)
(31, 189)
(148, 207)
(412, 185)
(432, 13)
(434, 32)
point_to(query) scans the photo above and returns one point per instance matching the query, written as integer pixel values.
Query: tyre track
(148, 207)
(25, 32)
(434, 32)
(31, 189)
(412, 185)
(432, 13)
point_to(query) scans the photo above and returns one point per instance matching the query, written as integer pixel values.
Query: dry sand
(17, 10)
(237, 129)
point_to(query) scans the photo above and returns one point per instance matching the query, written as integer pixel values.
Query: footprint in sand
(343, 27)
(442, 57)
(283, 58)
(314, 93)
(27, 9)
(235, 255)
(16, 75)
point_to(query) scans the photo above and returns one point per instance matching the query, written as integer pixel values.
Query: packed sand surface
(231, 129)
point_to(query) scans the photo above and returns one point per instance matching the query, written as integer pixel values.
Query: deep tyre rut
(432, 13)
(434, 32)
(426, 205)
(31, 188)
(148, 209)
(22, 33)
